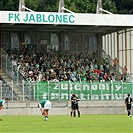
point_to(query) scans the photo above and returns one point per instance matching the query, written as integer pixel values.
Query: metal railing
(18, 80)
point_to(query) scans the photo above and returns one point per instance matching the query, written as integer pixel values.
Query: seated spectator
(53, 66)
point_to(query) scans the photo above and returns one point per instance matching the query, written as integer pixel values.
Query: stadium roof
(68, 22)
(61, 28)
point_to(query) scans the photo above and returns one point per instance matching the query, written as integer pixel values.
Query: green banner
(85, 91)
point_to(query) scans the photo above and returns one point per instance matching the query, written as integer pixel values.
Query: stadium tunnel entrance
(72, 38)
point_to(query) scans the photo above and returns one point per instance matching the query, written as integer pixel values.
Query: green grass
(64, 123)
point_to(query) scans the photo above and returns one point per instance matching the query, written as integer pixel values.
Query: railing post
(37, 91)
(48, 90)
(12, 69)
(122, 89)
(1, 58)
(91, 88)
(132, 88)
(12, 89)
(6, 64)
(34, 90)
(1, 89)
(23, 89)
(17, 77)
(100, 87)
(112, 88)
(60, 89)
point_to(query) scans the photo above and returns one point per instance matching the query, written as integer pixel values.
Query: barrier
(86, 91)
(64, 108)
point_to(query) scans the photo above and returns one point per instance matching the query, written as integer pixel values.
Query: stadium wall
(64, 108)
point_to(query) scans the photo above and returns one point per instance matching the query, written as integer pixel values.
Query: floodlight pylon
(62, 8)
(21, 2)
(22, 6)
(99, 5)
(99, 9)
(61, 4)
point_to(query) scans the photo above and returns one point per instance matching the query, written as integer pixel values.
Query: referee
(128, 104)
(74, 105)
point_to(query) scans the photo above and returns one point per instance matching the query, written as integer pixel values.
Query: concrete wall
(64, 108)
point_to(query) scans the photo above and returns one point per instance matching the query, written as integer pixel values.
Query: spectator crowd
(56, 66)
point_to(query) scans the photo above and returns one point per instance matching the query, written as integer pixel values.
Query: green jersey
(2, 102)
(43, 103)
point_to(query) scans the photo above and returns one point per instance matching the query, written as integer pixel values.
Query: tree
(124, 6)
(9, 5)
(109, 6)
(89, 6)
(78, 6)
(42, 5)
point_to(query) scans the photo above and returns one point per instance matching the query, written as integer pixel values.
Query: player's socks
(71, 113)
(74, 114)
(128, 113)
(78, 113)
(45, 118)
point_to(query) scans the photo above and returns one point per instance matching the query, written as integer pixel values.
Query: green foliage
(78, 6)
(42, 5)
(9, 5)
(109, 6)
(124, 6)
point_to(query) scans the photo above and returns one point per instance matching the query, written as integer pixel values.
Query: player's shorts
(75, 107)
(128, 106)
(47, 105)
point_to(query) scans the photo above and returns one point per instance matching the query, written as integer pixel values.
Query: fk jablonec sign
(65, 18)
(41, 18)
(86, 91)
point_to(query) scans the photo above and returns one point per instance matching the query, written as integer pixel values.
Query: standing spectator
(105, 76)
(115, 64)
(128, 104)
(125, 70)
(74, 105)
(44, 106)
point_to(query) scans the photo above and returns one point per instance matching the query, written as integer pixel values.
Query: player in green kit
(45, 106)
(2, 103)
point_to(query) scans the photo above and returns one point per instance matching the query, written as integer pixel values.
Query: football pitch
(66, 124)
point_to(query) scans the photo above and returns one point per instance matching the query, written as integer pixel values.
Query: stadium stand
(7, 91)
(54, 66)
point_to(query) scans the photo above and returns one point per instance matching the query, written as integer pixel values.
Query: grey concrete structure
(63, 108)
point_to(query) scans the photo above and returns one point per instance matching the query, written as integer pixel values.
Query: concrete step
(9, 82)
(2, 74)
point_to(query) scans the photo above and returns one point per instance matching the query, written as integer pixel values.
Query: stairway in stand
(9, 82)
